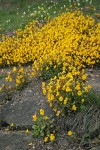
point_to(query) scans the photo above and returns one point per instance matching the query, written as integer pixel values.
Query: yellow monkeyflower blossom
(50, 104)
(65, 101)
(74, 107)
(58, 113)
(77, 87)
(46, 139)
(27, 131)
(82, 100)
(14, 69)
(79, 93)
(68, 89)
(10, 79)
(61, 98)
(52, 137)
(84, 77)
(46, 117)
(30, 144)
(34, 117)
(47, 68)
(41, 112)
(12, 125)
(70, 133)
(18, 81)
(89, 86)
(44, 91)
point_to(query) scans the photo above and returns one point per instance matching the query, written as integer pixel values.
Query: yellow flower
(84, 77)
(27, 131)
(79, 93)
(34, 117)
(70, 133)
(55, 66)
(44, 91)
(18, 81)
(47, 68)
(58, 113)
(68, 89)
(77, 87)
(41, 112)
(65, 101)
(10, 79)
(50, 105)
(12, 125)
(46, 117)
(57, 94)
(89, 86)
(46, 139)
(82, 100)
(60, 98)
(52, 137)
(14, 69)
(30, 144)
(74, 107)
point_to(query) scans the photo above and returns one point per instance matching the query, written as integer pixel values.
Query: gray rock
(25, 104)
(14, 140)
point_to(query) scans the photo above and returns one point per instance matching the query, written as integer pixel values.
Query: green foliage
(42, 125)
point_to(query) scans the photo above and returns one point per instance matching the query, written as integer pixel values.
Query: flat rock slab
(25, 104)
(15, 141)
(19, 140)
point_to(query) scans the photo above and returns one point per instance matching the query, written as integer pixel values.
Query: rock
(24, 105)
(14, 140)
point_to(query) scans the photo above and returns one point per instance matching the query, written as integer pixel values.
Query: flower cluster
(43, 126)
(15, 79)
(70, 35)
(66, 92)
